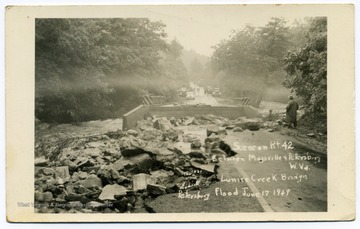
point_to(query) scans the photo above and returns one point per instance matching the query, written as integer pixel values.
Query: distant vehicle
(216, 92)
(190, 95)
(182, 91)
(208, 90)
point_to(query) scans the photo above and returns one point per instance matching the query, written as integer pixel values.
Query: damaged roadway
(257, 181)
(175, 165)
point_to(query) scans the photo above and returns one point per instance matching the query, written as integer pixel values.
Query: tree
(175, 49)
(273, 44)
(274, 38)
(174, 74)
(307, 69)
(251, 59)
(80, 64)
(65, 73)
(297, 31)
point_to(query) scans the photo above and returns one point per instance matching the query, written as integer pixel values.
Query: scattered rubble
(120, 170)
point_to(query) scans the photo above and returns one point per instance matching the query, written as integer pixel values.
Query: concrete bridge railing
(131, 118)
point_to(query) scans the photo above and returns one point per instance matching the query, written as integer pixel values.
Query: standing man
(291, 110)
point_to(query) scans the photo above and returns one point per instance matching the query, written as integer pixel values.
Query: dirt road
(202, 98)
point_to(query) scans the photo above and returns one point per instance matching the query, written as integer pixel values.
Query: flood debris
(120, 171)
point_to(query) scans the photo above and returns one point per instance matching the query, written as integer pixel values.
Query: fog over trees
(97, 68)
(90, 69)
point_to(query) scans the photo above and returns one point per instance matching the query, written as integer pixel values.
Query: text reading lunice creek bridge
(297, 163)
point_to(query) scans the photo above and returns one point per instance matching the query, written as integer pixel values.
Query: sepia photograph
(181, 109)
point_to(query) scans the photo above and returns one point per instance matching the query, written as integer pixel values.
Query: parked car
(182, 92)
(216, 92)
(208, 90)
(190, 95)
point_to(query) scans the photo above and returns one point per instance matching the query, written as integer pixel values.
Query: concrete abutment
(131, 118)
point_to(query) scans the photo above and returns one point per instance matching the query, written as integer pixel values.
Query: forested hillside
(99, 68)
(260, 58)
(90, 69)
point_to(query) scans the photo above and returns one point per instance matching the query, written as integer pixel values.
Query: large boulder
(211, 130)
(135, 164)
(92, 152)
(150, 134)
(251, 124)
(217, 151)
(108, 175)
(82, 162)
(144, 124)
(171, 135)
(83, 175)
(41, 161)
(208, 169)
(141, 180)
(71, 164)
(174, 121)
(226, 148)
(122, 205)
(43, 196)
(238, 129)
(131, 146)
(161, 154)
(197, 154)
(188, 138)
(181, 148)
(75, 177)
(62, 172)
(130, 152)
(163, 160)
(132, 132)
(48, 171)
(196, 144)
(156, 190)
(189, 121)
(112, 149)
(110, 191)
(92, 181)
(141, 162)
(162, 176)
(229, 127)
(130, 142)
(162, 124)
(120, 164)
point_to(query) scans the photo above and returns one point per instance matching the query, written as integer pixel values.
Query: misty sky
(200, 27)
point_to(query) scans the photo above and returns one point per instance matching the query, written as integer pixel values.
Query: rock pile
(120, 171)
